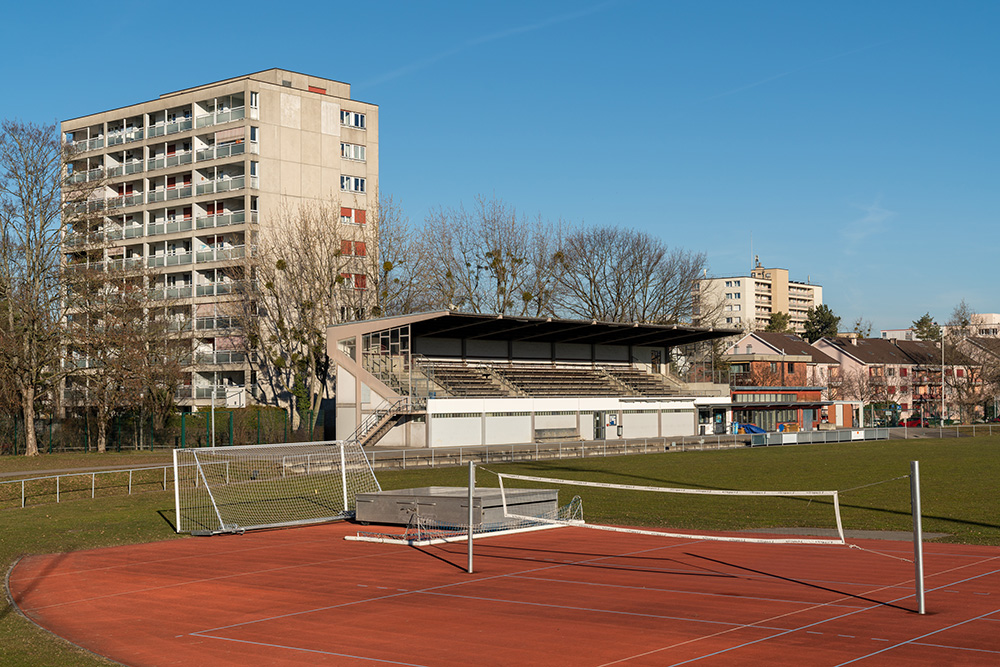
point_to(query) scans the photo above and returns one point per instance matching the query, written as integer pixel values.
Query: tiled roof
(791, 344)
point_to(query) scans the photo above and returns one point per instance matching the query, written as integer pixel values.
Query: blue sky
(855, 142)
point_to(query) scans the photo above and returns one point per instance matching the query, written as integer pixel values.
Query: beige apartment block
(186, 184)
(748, 301)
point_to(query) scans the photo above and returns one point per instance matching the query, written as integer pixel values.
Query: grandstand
(449, 378)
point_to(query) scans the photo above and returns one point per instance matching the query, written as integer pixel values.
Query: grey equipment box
(449, 505)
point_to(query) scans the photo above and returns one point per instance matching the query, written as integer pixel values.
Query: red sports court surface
(568, 596)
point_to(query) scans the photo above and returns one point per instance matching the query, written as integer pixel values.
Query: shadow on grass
(166, 516)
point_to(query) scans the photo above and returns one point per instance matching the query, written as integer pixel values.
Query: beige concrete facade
(186, 183)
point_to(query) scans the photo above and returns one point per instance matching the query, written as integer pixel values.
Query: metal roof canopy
(451, 324)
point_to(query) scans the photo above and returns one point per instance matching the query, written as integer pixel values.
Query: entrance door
(655, 360)
(598, 426)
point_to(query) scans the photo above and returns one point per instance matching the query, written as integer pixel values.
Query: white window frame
(355, 152)
(352, 184)
(352, 119)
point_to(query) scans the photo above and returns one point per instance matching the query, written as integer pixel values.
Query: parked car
(914, 422)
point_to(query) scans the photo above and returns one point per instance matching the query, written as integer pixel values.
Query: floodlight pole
(918, 536)
(472, 494)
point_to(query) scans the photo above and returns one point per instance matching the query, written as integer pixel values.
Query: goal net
(768, 517)
(232, 489)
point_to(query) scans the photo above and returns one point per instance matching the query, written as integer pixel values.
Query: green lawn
(959, 479)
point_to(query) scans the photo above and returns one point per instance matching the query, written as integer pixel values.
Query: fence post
(93, 484)
(183, 431)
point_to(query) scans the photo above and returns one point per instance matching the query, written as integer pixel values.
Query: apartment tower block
(185, 183)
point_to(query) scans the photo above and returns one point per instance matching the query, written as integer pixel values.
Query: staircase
(379, 422)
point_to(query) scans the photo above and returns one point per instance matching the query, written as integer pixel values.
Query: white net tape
(705, 492)
(229, 489)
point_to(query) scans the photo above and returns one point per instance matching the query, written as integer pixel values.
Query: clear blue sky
(856, 141)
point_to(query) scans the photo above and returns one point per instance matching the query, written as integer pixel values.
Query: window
(286, 83)
(352, 152)
(774, 367)
(345, 247)
(352, 184)
(317, 89)
(253, 168)
(736, 306)
(791, 366)
(253, 132)
(254, 100)
(352, 119)
(960, 372)
(729, 295)
(891, 372)
(736, 295)
(360, 249)
(736, 283)
(902, 372)
(352, 216)
(360, 281)
(729, 283)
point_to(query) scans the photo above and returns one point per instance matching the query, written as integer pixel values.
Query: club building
(448, 378)
(185, 183)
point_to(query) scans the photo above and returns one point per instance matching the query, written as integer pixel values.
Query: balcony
(169, 227)
(161, 293)
(125, 136)
(180, 325)
(214, 358)
(234, 218)
(85, 176)
(209, 323)
(169, 161)
(125, 169)
(221, 254)
(220, 289)
(179, 193)
(129, 264)
(84, 145)
(175, 259)
(77, 267)
(124, 201)
(225, 185)
(216, 152)
(172, 127)
(219, 117)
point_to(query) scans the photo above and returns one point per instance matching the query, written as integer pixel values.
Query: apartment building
(748, 301)
(185, 184)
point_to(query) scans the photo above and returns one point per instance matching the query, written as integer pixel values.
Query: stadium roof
(453, 324)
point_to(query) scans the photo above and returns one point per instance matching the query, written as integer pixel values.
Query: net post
(177, 494)
(918, 536)
(472, 494)
(343, 475)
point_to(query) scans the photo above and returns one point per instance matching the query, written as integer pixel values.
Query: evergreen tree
(926, 329)
(779, 322)
(820, 322)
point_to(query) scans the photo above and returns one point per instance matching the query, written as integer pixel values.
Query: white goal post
(232, 489)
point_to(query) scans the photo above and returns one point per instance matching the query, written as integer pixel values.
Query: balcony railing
(220, 289)
(207, 323)
(234, 218)
(180, 325)
(134, 167)
(172, 127)
(169, 161)
(176, 259)
(222, 185)
(178, 193)
(219, 117)
(84, 176)
(169, 227)
(88, 144)
(222, 254)
(160, 293)
(229, 357)
(216, 152)
(124, 136)
(124, 200)
(126, 264)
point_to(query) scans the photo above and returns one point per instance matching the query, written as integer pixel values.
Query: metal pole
(215, 380)
(343, 475)
(472, 494)
(918, 536)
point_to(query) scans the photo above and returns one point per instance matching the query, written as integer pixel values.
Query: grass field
(959, 478)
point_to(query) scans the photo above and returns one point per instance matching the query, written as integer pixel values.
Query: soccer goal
(232, 489)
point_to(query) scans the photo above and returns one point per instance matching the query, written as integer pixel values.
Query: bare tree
(31, 227)
(308, 271)
(624, 275)
(869, 386)
(401, 265)
(123, 355)
(491, 259)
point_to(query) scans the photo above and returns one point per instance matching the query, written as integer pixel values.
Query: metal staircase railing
(381, 415)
